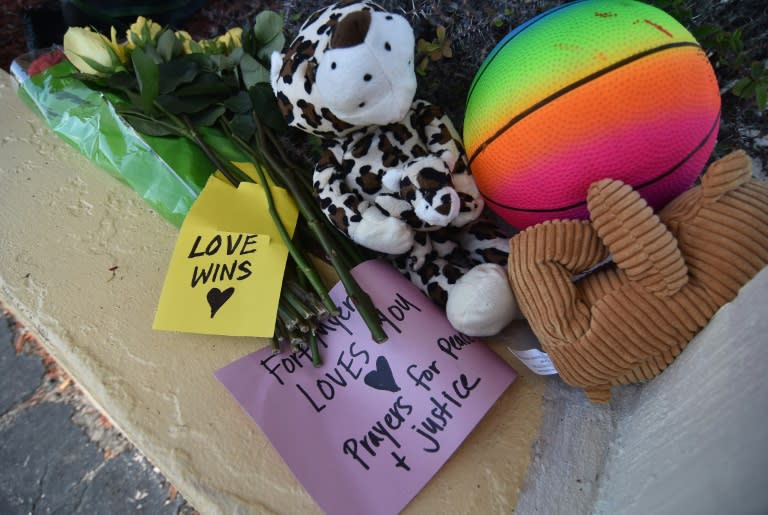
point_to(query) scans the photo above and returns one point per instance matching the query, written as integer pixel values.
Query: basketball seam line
(637, 187)
(575, 85)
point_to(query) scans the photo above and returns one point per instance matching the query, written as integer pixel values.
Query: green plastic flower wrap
(167, 172)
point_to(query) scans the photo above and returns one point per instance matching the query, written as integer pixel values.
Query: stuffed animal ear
(351, 30)
(726, 174)
(366, 75)
(641, 245)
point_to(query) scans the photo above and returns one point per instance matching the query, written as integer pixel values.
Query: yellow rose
(116, 47)
(89, 51)
(141, 32)
(232, 38)
(185, 38)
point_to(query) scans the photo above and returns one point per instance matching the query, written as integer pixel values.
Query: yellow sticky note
(227, 266)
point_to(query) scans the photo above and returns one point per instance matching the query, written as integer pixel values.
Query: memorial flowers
(93, 53)
(215, 93)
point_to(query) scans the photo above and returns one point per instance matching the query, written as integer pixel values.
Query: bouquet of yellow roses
(212, 96)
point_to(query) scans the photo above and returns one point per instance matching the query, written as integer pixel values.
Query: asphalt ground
(58, 453)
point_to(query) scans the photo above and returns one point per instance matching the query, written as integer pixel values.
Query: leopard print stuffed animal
(393, 175)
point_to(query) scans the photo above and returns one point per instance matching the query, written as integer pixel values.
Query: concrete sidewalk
(58, 454)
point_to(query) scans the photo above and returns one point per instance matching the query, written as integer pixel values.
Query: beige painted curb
(64, 224)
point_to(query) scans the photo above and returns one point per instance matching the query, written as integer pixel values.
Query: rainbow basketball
(590, 90)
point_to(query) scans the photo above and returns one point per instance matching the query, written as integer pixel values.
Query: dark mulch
(474, 28)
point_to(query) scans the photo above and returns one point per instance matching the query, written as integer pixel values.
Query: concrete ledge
(82, 264)
(692, 440)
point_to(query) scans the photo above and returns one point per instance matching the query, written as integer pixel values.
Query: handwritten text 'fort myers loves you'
(349, 367)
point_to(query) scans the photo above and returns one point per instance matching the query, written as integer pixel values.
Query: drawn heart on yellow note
(217, 298)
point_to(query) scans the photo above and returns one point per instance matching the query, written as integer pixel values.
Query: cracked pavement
(58, 453)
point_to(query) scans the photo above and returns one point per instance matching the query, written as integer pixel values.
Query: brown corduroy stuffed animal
(627, 321)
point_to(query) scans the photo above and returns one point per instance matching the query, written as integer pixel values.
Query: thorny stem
(287, 316)
(351, 254)
(297, 304)
(316, 360)
(350, 250)
(305, 181)
(301, 261)
(361, 299)
(309, 299)
(209, 152)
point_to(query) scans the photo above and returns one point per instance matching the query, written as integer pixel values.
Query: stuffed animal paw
(627, 321)
(381, 233)
(426, 185)
(480, 303)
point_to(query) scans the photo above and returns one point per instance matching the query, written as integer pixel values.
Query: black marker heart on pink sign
(381, 378)
(217, 298)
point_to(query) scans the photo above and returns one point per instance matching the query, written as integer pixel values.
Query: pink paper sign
(365, 431)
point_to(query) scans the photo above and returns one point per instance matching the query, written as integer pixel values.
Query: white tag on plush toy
(538, 361)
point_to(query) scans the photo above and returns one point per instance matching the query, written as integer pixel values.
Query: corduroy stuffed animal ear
(726, 174)
(640, 244)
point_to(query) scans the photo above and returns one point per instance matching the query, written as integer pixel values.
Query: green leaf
(235, 55)
(266, 37)
(202, 60)
(741, 86)
(135, 100)
(757, 69)
(146, 35)
(761, 96)
(165, 44)
(151, 51)
(253, 72)
(243, 125)
(265, 107)
(122, 81)
(92, 80)
(205, 84)
(221, 62)
(148, 126)
(177, 72)
(147, 74)
(249, 41)
(196, 48)
(122, 109)
(185, 105)
(239, 103)
(232, 80)
(266, 27)
(208, 117)
(276, 44)
(96, 65)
